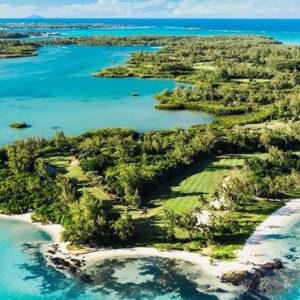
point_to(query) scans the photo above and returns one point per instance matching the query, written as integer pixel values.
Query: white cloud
(161, 8)
(9, 11)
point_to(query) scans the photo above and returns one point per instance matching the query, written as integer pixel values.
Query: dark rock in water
(134, 94)
(269, 268)
(219, 290)
(206, 286)
(237, 278)
(254, 281)
(252, 296)
(58, 261)
(289, 256)
(73, 269)
(293, 249)
(86, 278)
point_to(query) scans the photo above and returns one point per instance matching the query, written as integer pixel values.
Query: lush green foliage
(18, 125)
(99, 185)
(231, 75)
(10, 49)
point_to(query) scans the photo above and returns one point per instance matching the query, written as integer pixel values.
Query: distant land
(34, 17)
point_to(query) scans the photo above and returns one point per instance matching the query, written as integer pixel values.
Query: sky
(151, 8)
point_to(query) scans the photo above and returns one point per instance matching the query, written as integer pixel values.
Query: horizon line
(152, 18)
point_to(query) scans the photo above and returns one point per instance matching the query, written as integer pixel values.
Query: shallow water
(290, 279)
(25, 275)
(56, 90)
(285, 30)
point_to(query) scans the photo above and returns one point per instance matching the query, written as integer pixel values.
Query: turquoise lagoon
(25, 275)
(56, 90)
(284, 30)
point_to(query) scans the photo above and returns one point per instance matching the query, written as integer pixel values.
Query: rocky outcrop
(68, 264)
(253, 280)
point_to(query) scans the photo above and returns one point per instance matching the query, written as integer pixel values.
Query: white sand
(53, 230)
(266, 243)
(259, 248)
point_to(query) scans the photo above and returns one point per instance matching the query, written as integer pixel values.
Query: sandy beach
(259, 248)
(266, 243)
(54, 230)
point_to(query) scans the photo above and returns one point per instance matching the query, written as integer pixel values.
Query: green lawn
(182, 193)
(69, 165)
(209, 66)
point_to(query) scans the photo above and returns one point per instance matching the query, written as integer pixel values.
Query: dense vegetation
(18, 125)
(102, 186)
(11, 49)
(129, 166)
(236, 75)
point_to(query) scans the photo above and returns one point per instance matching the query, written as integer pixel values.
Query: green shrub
(18, 125)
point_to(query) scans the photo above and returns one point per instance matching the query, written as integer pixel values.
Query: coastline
(54, 230)
(266, 243)
(259, 249)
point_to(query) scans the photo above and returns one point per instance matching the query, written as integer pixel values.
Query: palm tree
(170, 221)
(67, 190)
(124, 227)
(145, 211)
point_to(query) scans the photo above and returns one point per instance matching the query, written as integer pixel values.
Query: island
(14, 49)
(18, 125)
(202, 190)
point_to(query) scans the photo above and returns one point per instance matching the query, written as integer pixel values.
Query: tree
(21, 157)
(294, 105)
(68, 192)
(130, 178)
(145, 211)
(61, 141)
(136, 199)
(234, 190)
(89, 222)
(188, 222)
(41, 168)
(170, 221)
(124, 227)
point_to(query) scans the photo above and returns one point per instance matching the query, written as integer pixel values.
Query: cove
(26, 276)
(56, 90)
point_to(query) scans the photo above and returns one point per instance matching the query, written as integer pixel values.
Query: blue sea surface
(284, 30)
(56, 90)
(26, 276)
(291, 278)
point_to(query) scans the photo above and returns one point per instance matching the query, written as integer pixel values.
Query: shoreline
(54, 230)
(265, 243)
(258, 249)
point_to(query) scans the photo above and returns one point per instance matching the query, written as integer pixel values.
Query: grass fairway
(71, 169)
(69, 165)
(182, 193)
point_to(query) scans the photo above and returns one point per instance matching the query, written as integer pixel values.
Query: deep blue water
(285, 30)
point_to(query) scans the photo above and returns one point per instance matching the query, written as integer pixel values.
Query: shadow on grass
(149, 231)
(165, 190)
(177, 194)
